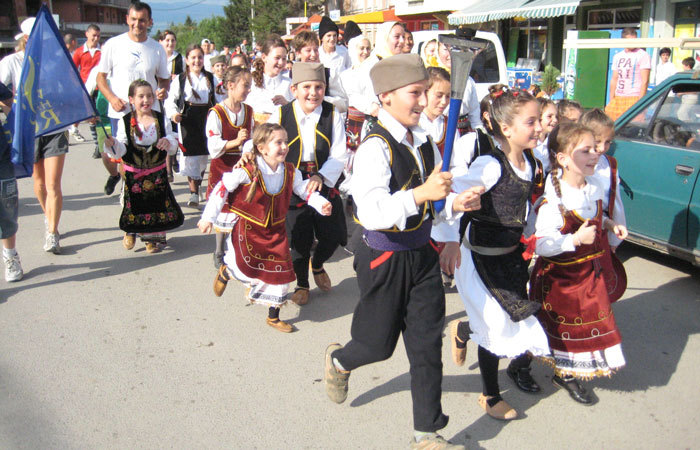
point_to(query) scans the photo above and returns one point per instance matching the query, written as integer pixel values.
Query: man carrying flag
(44, 108)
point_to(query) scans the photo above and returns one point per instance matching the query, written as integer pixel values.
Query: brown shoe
(280, 325)
(220, 280)
(129, 241)
(321, 279)
(336, 381)
(459, 355)
(436, 442)
(152, 247)
(300, 296)
(500, 411)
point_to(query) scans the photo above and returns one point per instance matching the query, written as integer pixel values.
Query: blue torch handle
(452, 117)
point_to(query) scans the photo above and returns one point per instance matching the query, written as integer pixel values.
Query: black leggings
(488, 365)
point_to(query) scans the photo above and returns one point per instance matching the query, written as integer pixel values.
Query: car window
(638, 127)
(485, 64)
(678, 122)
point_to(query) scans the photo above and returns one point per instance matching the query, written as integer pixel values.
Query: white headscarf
(381, 46)
(354, 50)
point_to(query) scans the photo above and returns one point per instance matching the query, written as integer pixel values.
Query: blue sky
(165, 11)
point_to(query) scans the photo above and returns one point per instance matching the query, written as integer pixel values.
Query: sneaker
(77, 136)
(96, 153)
(112, 182)
(336, 381)
(436, 442)
(52, 245)
(194, 200)
(13, 268)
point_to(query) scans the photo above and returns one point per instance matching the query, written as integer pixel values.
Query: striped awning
(480, 11)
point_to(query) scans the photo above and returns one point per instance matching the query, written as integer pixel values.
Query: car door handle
(684, 170)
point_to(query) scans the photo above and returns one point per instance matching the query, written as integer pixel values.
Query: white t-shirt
(665, 70)
(11, 69)
(124, 61)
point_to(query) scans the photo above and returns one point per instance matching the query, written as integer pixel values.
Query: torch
(461, 48)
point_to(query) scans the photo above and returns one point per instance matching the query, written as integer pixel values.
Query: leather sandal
(129, 241)
(500, 411)
(280, 325)
(336, 381)
(459, 352)
(300, 296)
(220, 280)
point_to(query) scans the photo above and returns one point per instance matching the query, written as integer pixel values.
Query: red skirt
(353, 128)
(218, 167)
(263, 252)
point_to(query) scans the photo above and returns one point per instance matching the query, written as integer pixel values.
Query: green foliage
(269, 18)
(549, 79)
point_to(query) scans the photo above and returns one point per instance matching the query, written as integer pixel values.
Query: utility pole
(252, 16)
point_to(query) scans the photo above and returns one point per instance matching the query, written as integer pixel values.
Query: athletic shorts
(50, 145)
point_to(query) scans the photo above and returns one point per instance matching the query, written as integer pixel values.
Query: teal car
(657, 145)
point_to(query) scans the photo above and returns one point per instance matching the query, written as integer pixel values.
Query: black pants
(302, 225)
(401, 292)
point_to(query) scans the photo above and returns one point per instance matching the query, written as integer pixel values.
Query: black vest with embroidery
(405, 173)
(503, 213)
(324, 133)
(211, 99)
(140, 156)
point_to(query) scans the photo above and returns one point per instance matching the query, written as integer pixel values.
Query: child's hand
(109, 141)
(585, 234)
(436, 187)
(469, 200)
(242, 136)
(204, 226)
(279, 100)
(177, 118)
(450, 258)
(620, 231)
(161, 94)
(245, 159)
(163, 144)
(327, 209)
(315, 184)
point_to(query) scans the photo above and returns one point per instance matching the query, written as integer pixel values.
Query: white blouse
(214, 129)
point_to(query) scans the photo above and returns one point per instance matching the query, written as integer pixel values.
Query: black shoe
(112, 182)
(523, 380)
(575, 390)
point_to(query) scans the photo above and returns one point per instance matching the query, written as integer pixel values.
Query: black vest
(324, 134)
(212, 98)
(503, 213)
(137, 158)
(405, 173)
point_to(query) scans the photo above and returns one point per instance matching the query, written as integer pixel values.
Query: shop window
(614, 18)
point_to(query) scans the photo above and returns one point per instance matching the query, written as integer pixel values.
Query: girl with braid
(271, 88)
(259, 194)
(491, 273)
(191, 95)
(576, 278)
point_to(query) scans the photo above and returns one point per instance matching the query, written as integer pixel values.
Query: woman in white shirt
(271, 89)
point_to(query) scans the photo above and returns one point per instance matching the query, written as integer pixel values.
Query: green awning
(480, 11)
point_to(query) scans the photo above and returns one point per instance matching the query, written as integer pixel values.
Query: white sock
(338, 365)
(420, 435)
(9, 252)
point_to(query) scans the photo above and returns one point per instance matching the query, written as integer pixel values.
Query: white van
(489, 66)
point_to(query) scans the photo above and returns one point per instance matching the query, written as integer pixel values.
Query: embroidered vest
(211, 100)
(324, 132)
(264, 209)
(139, 156)
(229, 131)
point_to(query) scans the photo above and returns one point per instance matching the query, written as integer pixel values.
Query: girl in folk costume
(259, 193)
(491, 273)
(271, 89)
(144, 138)
(606, 171)
(190, 97)
(359, 49)
(548, 120)
(175, 67)
(575, 278)
(229, 125)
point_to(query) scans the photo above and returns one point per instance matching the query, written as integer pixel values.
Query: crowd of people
(294, 138)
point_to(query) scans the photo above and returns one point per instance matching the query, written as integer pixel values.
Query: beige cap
(397, 71)
(218, 59)
(308, 72)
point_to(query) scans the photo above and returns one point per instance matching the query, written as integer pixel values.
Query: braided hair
(261, 136)
(131, 93)
(563, 139)
(272, 42)
(503, 108)
(231, 75)
(485, 104)
(190, 49)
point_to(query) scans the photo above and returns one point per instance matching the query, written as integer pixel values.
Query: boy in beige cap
(317, 147)
(396, 177)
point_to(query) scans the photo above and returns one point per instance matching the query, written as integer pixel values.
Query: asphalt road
(106, 348)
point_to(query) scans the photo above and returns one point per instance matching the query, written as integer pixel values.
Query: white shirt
(124, 61)
(261, 98)
(219, 97)
(602, 177)
(436, 128)
(470, 104)
(352, 81)
(148, 137)
(336, 93)
(207, 60)
(339, 60)
(215, 143)
(549, 219)
(665, 70)
(338, 155)
(541, 152)
(11, 70)
(377, 208)
(171, 58)
(274, 179)
(196, 83)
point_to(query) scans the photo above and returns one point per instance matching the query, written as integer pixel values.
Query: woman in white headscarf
(359, 49)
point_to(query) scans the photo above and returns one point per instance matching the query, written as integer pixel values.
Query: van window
(485, 64)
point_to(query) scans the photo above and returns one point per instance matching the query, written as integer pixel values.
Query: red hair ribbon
(529, 246)
(515, 93)
(495, 95)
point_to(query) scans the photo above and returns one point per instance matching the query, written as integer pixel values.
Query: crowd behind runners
(296, 137)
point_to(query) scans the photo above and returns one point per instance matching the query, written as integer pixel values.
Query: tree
(237, 23)
(549, 84)
(269, 18)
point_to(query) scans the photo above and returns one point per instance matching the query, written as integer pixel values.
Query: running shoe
(194, 200)
(77, 136)
(13, 268)
(52, 245)
(112, 182)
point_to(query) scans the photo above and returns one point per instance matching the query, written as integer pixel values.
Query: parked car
(657, 145)
(489, 66)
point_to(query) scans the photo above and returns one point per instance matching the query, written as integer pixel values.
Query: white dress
(491, 326)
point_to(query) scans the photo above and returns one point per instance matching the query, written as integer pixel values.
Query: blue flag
(50, 95)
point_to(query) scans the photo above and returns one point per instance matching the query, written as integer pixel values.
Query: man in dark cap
(332, 55)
